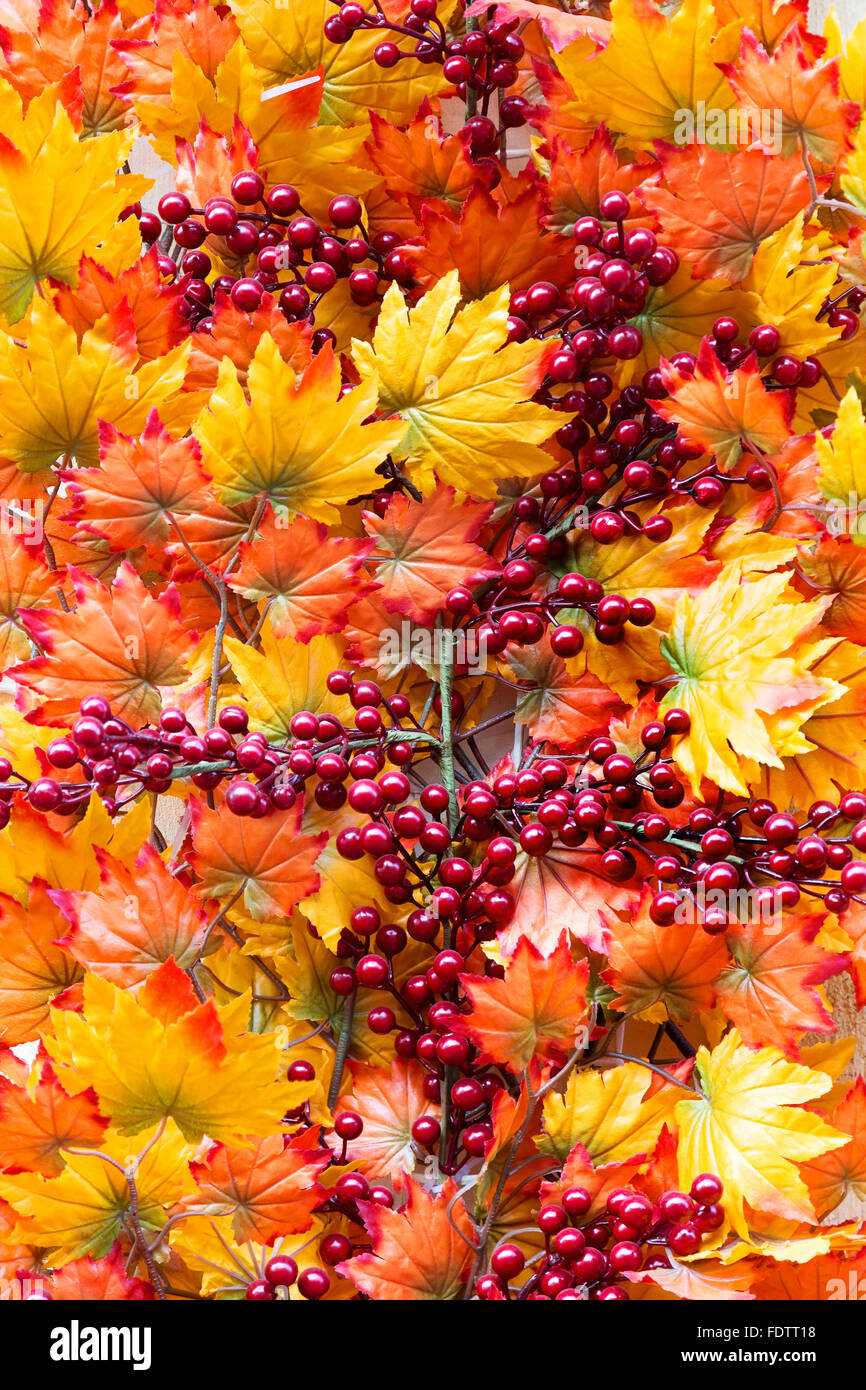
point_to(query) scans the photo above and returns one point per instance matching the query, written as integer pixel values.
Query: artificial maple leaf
(739, 654)
(33, 969)
(295, 441)
(121, 641)
(81, 1212)
(578, 179)
(766, 18)
(838, 567)
(667, 973)
(236, 335)
(155, 306)
(54, 391)
(803, 99)
(195, 30)
(717, 208)
(41, 236)
(768, 990)
(841, 1173)
(307, 578)
(291, 43)
(140, 917)
(25, 582)
(417, 170)
(389, 1101)
(38, 1122)
(726, 411)
(32, 849)
(423, 1252)
(162, 1053)
(463, 392)
(614, 1114)
(825, 1278)
(560, 891)
(783, 291)
(267, 861)
(494, 243)
(536, 1011)
(285, 678)
(140, 485)
(842, 476)
(342, 884)
(749, 1125)
(553, 704)
(270, 1189)
(423, 549)
(599, 1179)
(675, 317)
(704, 1280)
(99, 1281)
(678, 65)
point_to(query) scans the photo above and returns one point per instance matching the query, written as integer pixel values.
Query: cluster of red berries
(585, 1258)
(295, 258)
(481, 66)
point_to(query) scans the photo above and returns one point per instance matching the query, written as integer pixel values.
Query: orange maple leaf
(834, 1176)
(36, 1124)
(534, 1012)
(768, 990)
(579, 178)
(236, 335)
(308, 579)
(389, 1101)
(673, 966)
(717, 208)
(25, 581)
(33, 969)
(270, 1188)
(425, 548)
(416, 168)
(98, 1281)
(154, 306)
(267, 861)
(838, 567)
(418, 1252)
(725, 410)
(122, 642)
(600, 1180)
(554, 704)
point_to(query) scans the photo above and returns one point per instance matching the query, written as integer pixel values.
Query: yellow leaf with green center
(289, 41)
(611, 1113)
(842, 466)
(82, 1211)
(747, 1127)
(740, 658)
(55, 390)
(59, 196)
(295, 440)
(463, 393)
(162, 1053)
(676, 315)
(655, 68)
(788, 294)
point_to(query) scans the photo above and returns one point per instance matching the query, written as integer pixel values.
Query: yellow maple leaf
(44, 232)
(161, 1053)
(289, 41)
(294, 440)
(842, 466)
(615, 1114)
(790, 294)
(463, 394)
(740, 658)
(55, 390)
(851, 52)
(286, 677)
(745, 1128)
(30, 848)
(676, 55)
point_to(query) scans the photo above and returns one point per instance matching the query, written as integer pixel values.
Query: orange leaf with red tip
(308, 579)
(415, 167)
(801, 97)
(672, 968)
(717, 208)
(417, 1254)
(36, 1125)
(536, 1011)
(33, 969)
(154, 306)
(599, 1179)
(270, 1189)
(561, 890)
(266, 861)
(426, 548)
(236, 335)
(198, 31)
(25, 582)
(553, 704)
(725, 410)
(389, 1101)
(768, 991)
(838, 567)
(120, 641)
(494, 242)
(834, 1176)
(140, 483)
(99, 1281)
(140, 917)
(831, 1276)
(579, 178)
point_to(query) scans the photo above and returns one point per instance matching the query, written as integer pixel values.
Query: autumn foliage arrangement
(433, 636)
